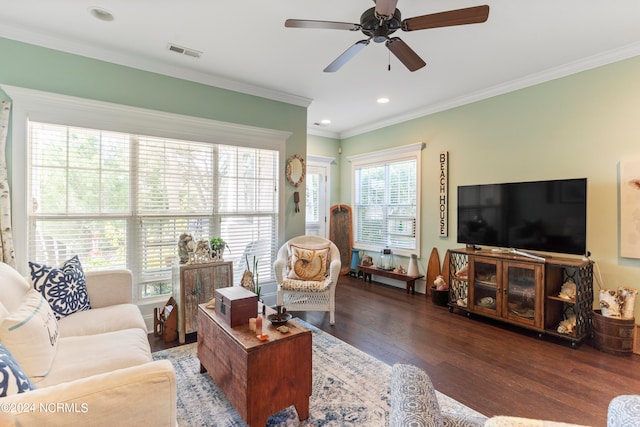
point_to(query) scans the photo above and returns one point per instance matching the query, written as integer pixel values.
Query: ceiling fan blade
(405, 54)
(346, 56)
(323, 25)
(385, 7)
(469, 15)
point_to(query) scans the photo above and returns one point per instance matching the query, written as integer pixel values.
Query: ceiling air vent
(184, 50)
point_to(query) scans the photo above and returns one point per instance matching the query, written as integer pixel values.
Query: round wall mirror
(295, 170)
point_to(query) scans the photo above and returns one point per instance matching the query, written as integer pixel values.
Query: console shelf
(523, 290)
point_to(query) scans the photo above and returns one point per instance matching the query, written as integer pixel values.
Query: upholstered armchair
(307, 270)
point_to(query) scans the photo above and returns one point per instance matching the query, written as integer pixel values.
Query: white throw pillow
(31, 334)
(12, 287)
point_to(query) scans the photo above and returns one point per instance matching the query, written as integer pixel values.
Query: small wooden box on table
(260, 378)
(236, 305)
(368, 270)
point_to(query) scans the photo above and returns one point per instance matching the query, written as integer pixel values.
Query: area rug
(350, 388)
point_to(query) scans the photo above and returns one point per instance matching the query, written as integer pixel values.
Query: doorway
(317, 201)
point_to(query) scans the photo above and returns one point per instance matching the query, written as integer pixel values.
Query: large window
(386, 200)
(121, 200)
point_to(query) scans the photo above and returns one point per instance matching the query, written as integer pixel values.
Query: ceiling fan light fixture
(101, 14)
(325, 121)
(383, 100)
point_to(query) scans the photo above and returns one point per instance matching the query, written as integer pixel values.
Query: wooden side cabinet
(195, 284)
(523, 291)
(510, 290)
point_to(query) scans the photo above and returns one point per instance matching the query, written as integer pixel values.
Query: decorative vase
(413, 269)
(355, 259)
(216, 255)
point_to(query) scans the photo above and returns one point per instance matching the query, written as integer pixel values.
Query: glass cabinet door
(485, 292)
(520, 281)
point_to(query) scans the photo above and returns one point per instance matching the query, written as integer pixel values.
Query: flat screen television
(547, 216)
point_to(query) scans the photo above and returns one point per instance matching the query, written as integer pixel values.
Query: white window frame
(406, 152)
(48, 107)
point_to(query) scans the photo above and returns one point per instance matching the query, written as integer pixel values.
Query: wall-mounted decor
(443, 186)
(295, 170)
(630, 208)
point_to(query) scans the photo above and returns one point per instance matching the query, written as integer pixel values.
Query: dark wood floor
(492, 368)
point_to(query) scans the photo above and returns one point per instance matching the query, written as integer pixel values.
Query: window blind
(121, 201)
(80, 194)
(386, 204)
(248, 208)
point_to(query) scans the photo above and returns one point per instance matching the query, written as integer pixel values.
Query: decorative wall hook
(296, 200)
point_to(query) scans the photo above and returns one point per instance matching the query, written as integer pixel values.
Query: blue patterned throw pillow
(12, 379)
(64, 288)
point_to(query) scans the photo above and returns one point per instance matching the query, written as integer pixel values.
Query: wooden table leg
(302, 408)
(411, 286)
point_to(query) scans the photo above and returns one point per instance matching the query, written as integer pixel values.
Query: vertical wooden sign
(443, 185)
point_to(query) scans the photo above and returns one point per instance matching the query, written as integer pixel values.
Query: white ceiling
(245, 47)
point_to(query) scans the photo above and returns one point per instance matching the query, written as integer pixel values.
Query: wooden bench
(368, 270)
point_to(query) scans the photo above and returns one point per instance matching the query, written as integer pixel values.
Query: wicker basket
(439, 297)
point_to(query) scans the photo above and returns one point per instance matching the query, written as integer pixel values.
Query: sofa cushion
(306, 285)
(64, 288)
(413, 398)
(101, 320)
(308, 264)
(12, 288)
(86, 355)
(13, 380)
(31, 334)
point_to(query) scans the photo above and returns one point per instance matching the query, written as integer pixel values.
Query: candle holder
(386, 260)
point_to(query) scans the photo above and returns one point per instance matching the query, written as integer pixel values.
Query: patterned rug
(350, 388)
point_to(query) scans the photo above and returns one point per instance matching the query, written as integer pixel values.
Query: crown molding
(145, 64)
(605, 58)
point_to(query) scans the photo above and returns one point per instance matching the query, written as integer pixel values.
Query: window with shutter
(386, 200)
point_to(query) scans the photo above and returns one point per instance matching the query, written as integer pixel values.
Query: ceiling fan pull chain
(389, 60)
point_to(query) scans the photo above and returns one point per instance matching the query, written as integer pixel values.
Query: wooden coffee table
(260, 378)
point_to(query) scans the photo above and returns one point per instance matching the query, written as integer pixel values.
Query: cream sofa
(102, 373)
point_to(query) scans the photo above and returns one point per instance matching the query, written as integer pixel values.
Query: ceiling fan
(379, 22)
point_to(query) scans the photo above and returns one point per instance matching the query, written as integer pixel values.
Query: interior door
(317, 200)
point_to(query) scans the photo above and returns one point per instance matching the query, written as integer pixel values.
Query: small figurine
(568, 290)
(440, 284)
(568, 325)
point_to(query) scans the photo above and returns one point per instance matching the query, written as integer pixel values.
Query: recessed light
(383, 100)
(101, 14)
(325, 121)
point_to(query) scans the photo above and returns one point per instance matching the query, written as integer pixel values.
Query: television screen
(549, 216)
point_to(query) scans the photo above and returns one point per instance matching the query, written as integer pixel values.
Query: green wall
(577, 126)
(48, 70)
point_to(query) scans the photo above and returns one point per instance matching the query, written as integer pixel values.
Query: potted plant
(218, 246)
